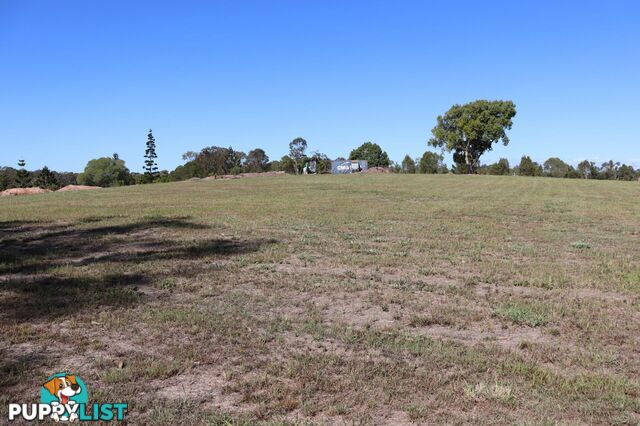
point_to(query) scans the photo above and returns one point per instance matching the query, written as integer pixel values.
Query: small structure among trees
(341, 166)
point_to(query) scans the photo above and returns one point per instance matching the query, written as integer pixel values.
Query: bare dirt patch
(206, 386)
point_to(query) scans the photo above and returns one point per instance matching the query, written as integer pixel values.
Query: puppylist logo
(65, 398)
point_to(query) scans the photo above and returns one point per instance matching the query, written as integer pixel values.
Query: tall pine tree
(150, 165)
(22, 175)
(47, 180)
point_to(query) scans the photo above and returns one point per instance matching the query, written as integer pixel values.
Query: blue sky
(84, 79)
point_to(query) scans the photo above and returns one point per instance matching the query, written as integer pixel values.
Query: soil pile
(77, 188)
(378, 170)
(22, 191)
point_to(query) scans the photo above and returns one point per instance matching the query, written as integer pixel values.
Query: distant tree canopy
(371, 152)
(432, 163)
(105, 172)
(4, 181)
(323, 162)
(189, 156)
(8, 177)
(297, 148)
(286, 164)
(46, 179)
(186, 171)
(555, 167)
(528, 167)
(500, 168)
(471, 129)
(626, 172)
(256, 161)
(210, 161)
(225, 160)
(609, 170)
(585, 168)
(66, 178)
(408, 165)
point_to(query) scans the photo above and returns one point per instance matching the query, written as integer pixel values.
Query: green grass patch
(581, 245)
(523, 315)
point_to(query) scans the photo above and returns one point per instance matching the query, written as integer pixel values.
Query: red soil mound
(23, 191)
(378, 170)
(77, 188)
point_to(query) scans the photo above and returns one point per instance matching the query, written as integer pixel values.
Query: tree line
(209, 161)
(432, 162)
(214, 160)
(467, 131)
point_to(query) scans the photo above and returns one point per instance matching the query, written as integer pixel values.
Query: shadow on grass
(54, 298)
(30, 249)
(31, 290)
(50, 273)
(14, 366)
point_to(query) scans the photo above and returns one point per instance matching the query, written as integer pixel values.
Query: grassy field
(330, 299)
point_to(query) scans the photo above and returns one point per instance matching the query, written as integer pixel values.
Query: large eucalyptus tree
(471, 129)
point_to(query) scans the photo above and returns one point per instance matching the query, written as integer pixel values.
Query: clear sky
(83, 79)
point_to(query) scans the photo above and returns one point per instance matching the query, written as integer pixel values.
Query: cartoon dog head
(63, 387)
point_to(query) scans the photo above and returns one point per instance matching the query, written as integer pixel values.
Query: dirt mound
(245, 175)
(77, 188)
(23, 191)
(378, 170)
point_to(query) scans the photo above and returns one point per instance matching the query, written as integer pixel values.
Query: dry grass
(324, 299)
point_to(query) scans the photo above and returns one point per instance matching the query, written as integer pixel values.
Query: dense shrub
(105, 172)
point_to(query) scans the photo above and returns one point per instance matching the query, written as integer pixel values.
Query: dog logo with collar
(66, 391)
